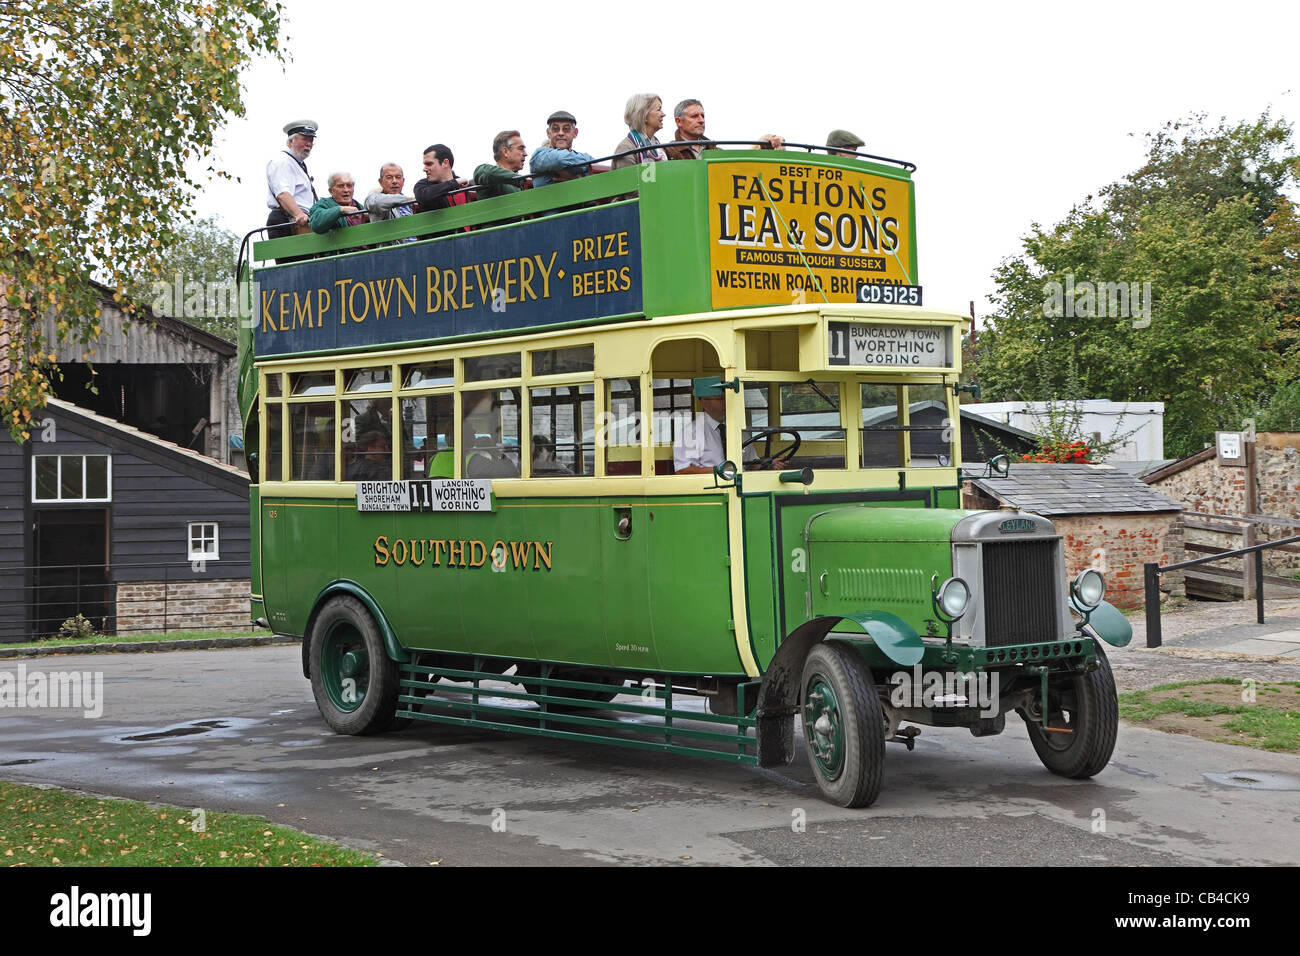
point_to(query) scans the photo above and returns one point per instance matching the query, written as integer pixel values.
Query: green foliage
(77, 628)
(101, 107)
(1219, 252)
(1281, 413)
(197, 273)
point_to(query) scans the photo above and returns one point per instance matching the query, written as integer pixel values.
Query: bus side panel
(690, 586)
(257, 607)
(495, 598)
(624, 579)
(761, 577)
(428, 583)
(365, 555)
(309, 554)
(274, 558)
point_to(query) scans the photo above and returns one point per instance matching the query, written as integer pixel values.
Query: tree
(197, 280)
(1179, 284)
(101, 108)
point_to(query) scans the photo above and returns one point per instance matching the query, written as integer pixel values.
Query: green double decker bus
(663, 457)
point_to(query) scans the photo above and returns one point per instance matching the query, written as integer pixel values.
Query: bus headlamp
(953, 597)
(726, 471)
(1089, 588)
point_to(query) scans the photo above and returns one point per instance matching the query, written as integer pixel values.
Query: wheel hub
(824, 728)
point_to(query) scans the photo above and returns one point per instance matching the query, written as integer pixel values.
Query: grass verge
(40, 827)
(1258, 714)
(139, 638)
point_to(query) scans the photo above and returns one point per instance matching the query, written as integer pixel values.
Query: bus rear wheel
(843, 725)
(354, 681)
(1086, 707)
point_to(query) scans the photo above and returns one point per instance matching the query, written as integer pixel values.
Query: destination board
(871, 345)
(584, 266)
(781, 233)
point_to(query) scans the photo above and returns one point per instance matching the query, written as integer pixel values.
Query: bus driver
(701, 445)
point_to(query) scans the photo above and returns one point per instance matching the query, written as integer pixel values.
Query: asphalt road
(238, 730)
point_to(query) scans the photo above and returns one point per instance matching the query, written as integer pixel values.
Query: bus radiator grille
(1019, 592)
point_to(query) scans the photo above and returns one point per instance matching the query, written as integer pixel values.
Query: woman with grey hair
(644, 117)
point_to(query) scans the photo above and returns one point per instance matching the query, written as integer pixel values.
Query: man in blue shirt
(558, 162)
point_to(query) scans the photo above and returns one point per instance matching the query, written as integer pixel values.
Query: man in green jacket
(338, 208)
(509, 152)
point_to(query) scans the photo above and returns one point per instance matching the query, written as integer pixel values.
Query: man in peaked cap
(558, 161)
(841, 142)
(289, 190)
(701, 444)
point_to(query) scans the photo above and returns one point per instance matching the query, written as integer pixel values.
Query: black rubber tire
(1094, 720)
(378, 707)
(863, 724)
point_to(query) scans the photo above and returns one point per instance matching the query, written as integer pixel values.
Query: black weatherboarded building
(132, 531)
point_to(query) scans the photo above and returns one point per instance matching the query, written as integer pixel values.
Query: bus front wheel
(352, 678)
(1084, 718)
(843, 725)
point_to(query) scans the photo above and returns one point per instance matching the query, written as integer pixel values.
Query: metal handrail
(1151, 579)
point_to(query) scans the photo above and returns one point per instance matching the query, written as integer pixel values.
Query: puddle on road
(220, 727)
(1255, 779)
(19, 763)
(1133, 770)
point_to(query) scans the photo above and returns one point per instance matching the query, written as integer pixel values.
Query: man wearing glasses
(509, 153)
(558, 162)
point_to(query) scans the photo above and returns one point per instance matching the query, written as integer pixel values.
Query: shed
(1108, 519)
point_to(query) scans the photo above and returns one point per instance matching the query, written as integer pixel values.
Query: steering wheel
(765, 459)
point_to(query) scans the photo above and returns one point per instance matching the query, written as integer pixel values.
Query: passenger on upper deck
(558, 162)
(387, 202)
(338, 208)
(440, 179)
(840, 142)
(289, 191)
(644, 116)
(509, 152)
(701, 444)
(689, 115)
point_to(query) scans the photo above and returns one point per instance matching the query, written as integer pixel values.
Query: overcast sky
(1012, 112)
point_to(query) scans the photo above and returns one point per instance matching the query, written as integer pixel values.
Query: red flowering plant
(1071, 452)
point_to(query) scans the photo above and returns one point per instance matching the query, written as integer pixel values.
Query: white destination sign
(437, 494)
(869, 345)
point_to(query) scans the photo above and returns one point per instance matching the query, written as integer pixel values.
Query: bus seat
(442, 465)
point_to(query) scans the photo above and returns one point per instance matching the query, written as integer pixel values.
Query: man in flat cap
(557, 161)
(289, 191)
(841, 142)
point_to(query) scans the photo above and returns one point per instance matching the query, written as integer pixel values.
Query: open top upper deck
(735, 229)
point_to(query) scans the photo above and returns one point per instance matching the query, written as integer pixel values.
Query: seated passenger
(387, 202)
(557, 162)
(644, 116)
(544, 460)
(372, 461)
(509, 153)
(337, 209)
(700, 445)
(439, 180)
(689, 115)
(841, 142)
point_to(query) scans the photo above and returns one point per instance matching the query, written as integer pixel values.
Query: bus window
(427, 374)
(673, 411)
(930, 428)
(273, 387)
(562, 419)
(487, 368)
(882, 439)
(811, 412)
(622, 426)
(368, 380)
(427, 430)
(311, 436)
(312, 383)
(367, 440)
(581, 358)
(490, 431)
(274, 441)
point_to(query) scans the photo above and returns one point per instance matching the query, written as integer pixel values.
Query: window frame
(215, 554)
(58, 481)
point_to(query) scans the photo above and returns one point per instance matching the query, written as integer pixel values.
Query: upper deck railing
(736, 228)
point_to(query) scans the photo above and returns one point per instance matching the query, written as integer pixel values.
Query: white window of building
(72, 479)
(203, 541)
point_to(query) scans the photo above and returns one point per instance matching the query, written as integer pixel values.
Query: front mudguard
(1107, 622)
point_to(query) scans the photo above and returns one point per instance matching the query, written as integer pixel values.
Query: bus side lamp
(800, 476)
(725, 471)
(999, 466)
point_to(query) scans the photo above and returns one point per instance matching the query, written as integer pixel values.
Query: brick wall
(1209, 487)
(182, 605)
(1118, 546)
